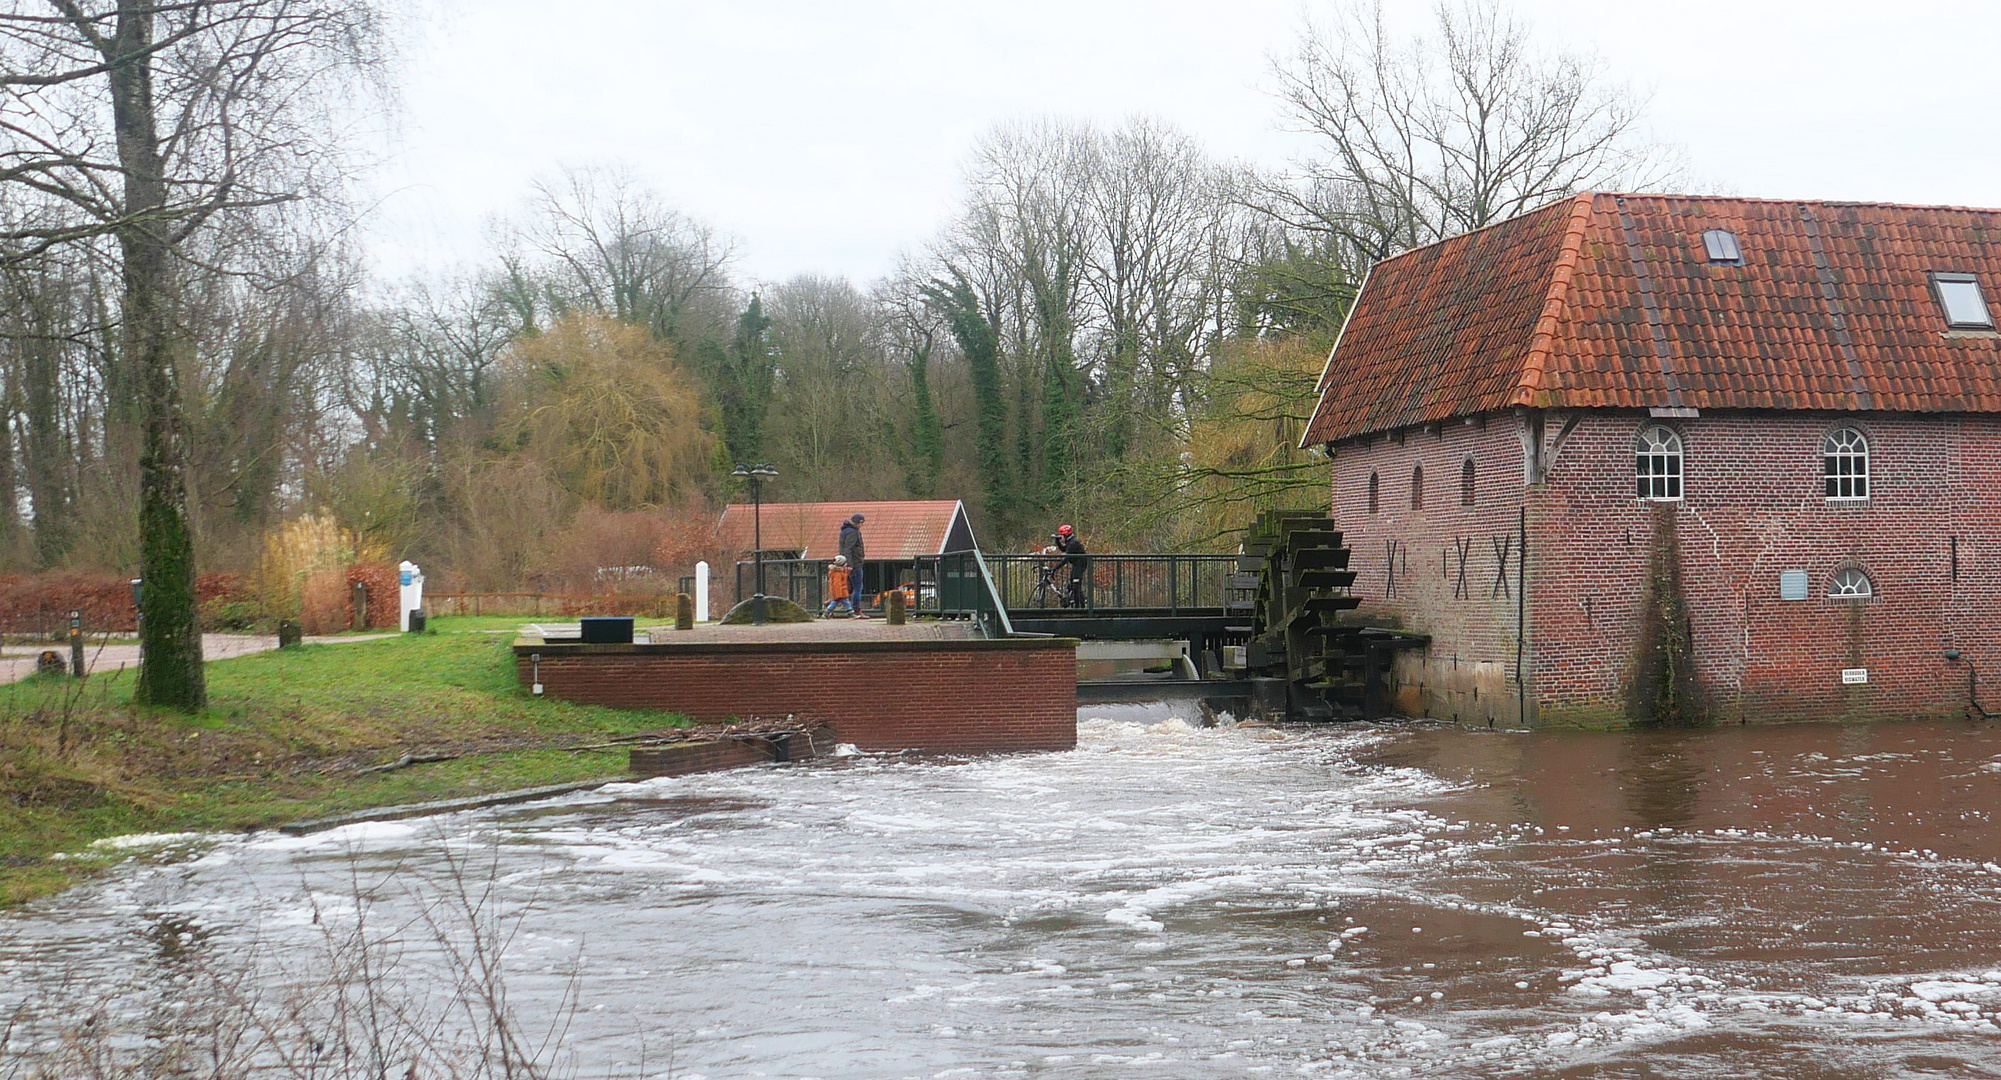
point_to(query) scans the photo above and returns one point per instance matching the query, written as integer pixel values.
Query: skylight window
(1959, 296)
(1721, 244)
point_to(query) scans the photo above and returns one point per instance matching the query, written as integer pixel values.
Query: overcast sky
(827, 137)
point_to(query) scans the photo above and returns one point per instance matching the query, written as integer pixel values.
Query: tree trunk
(170, 670)
(10, 516)
(45, 457)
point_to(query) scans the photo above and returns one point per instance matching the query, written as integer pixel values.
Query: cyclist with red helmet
(1073, 556)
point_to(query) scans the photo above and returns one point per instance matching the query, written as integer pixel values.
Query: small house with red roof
(894, 533)
(1632, 458)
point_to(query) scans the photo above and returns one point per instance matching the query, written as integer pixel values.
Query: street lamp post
(756, 475)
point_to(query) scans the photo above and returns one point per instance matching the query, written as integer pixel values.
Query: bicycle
(1046, 586)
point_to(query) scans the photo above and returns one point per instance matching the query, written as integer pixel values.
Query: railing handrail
(1006, 625)
(1023, 584)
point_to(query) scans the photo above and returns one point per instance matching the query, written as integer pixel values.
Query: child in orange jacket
(837, 586)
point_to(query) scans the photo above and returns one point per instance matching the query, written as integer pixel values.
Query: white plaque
(1852, 675)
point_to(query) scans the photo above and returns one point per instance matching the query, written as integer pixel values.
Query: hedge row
(41, 604)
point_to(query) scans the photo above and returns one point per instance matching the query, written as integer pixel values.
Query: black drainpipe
(1972, 686)
(1521, 610)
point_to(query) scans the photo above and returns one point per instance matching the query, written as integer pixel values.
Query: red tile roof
(1611, 301)
(892, 530)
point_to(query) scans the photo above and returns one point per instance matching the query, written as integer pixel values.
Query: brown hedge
(383, 587)
(41, 603)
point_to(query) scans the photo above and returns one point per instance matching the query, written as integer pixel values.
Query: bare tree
(831, 391)
(151, 122)
(1433, 135)
(1156, 274)
(616, 249)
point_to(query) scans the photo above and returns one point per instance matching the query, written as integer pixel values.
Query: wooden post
(360, 621)
(892, 607)
(684, 611)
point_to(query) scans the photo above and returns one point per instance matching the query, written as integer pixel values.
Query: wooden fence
(544, 604)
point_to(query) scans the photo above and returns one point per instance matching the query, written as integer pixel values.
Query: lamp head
(1952, 654)
(740, 470)
(765, 469)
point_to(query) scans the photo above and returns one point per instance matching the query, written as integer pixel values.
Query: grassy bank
(282, 739)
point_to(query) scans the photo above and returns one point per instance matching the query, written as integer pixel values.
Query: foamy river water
(1178, 902)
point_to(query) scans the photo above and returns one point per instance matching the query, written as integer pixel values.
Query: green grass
(466, 624)
(281, 740)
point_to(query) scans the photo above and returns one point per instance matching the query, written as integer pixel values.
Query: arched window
(1657, 464)
(1844, 456)
(1417, 487)
(1850, 584)
(1375, 487)
(1466, 483)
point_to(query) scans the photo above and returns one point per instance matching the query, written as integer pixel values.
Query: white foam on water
(1177, 884)
(360, 836)
(146, 841)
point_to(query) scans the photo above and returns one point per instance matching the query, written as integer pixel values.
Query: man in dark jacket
(1073, 556)
(851, 546)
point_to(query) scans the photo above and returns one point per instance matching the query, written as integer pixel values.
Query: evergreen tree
(927, 433)
(747, 373)
(979, 341)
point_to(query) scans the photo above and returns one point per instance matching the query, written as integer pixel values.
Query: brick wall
(684, 759)
(1457, 567)
(1753, 506)
(942, 696)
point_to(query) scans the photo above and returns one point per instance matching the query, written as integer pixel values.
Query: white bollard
(702, 592)
(410, 592)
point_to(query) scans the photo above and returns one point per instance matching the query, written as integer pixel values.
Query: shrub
(222, 615)
(324, 607)
(384, 592)
(602, 551)
(304, 547)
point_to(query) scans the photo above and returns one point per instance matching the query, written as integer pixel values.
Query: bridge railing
(1168, 584)
(802, 581)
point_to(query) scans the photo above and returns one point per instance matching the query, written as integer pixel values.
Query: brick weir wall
(951, 696)
(683, 759)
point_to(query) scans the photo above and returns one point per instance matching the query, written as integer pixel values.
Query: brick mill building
(1631, 456)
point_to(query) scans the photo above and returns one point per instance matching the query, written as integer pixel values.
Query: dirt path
(19, 660)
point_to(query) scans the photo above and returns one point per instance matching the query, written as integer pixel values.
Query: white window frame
(1851, 583)
(1659, 464)
(1845, 447)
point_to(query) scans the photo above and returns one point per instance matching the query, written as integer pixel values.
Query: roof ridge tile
(1536, 360)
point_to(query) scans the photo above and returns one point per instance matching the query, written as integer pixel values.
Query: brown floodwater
(1167, 901)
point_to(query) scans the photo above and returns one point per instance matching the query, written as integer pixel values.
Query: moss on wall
(1662, 690)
